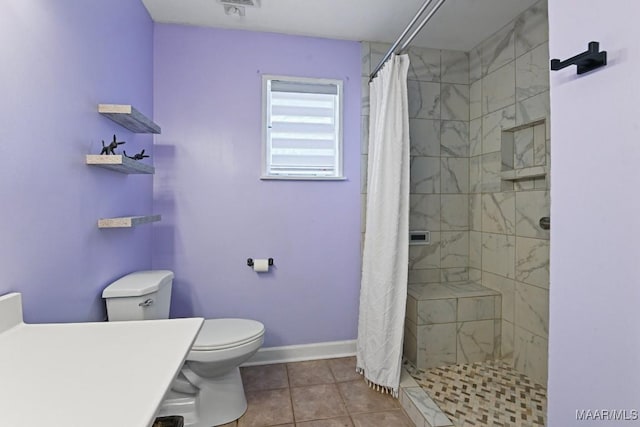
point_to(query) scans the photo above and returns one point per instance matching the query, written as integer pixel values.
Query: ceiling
(458, 25)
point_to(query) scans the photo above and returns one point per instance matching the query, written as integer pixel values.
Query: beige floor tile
(344, 369)
(267, 408)
(317, 402)
(360, 398)
(309, 373)
(231, 424)
(395, 418)
(333, 422)
(265, 377)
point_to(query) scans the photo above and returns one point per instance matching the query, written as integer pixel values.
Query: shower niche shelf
(524, 151)
(119, 163)
(127, 221)
(524, 173)
(129, 118)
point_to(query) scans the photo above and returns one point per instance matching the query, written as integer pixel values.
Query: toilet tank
(143, 295)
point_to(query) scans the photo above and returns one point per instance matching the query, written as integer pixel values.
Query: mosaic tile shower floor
(485, 394)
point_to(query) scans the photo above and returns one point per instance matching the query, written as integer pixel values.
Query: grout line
(344, 401)
(286, 370)
(335, 380)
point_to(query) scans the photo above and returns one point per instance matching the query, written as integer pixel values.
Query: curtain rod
(406, 31)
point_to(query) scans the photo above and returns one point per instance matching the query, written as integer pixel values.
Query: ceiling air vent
(248, 3)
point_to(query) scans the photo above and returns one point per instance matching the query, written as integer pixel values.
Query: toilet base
(219, 401)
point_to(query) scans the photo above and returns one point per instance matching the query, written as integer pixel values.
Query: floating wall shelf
(129, 118)
(127, 221)
(119, 163)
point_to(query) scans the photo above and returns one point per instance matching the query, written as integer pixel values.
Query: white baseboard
(297, 353)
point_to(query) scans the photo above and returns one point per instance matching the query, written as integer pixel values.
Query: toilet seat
(220, 334)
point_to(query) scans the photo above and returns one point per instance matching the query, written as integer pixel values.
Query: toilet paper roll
(260, 265)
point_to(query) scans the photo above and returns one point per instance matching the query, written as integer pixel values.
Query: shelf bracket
(585, 61)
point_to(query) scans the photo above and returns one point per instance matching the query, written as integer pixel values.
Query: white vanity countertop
(90, 374)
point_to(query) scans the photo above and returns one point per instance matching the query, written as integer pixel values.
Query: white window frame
(266, 143)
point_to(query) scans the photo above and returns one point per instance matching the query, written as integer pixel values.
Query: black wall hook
(586, 61)
(250, 261)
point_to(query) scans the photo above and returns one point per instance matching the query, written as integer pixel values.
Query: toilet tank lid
(138, 283)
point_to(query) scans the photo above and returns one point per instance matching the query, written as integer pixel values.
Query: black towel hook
(585, 61)
(250, 262)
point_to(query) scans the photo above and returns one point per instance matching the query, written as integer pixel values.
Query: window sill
(302, 178)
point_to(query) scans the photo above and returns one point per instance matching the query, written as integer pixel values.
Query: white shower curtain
(383, 290)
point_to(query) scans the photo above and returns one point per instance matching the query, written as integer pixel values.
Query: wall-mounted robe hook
(250, 261)
(586, 61)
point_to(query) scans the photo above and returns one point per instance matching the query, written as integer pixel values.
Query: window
(302, 130)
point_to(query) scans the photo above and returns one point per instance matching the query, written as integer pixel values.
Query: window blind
(303, 129)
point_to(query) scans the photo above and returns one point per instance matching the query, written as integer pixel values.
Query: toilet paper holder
(250, 261)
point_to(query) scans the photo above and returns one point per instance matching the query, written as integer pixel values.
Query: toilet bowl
(208, 390)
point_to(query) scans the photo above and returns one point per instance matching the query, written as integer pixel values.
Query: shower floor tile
(485, 394)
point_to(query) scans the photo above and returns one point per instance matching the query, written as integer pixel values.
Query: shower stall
(478, 294)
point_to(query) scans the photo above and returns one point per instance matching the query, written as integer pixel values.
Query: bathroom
(202, 85)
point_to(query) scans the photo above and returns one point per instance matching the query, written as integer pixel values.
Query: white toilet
(208, 390)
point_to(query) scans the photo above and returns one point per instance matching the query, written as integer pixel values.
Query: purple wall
(594, 347)
(59, 60)
(217, 212)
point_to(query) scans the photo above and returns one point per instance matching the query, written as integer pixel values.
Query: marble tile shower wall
(438, 88)
(508, 251)
(483, 228)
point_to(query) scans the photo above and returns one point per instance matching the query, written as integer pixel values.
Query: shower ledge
(448, 290)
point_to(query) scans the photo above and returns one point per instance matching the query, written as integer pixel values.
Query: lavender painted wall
(594, 344)
(217, 212)
(59, 60)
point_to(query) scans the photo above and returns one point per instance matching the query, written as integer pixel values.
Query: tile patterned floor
(485, 394)
(321, 393)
